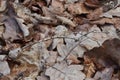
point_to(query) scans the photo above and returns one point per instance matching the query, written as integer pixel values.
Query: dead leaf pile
(59, 39)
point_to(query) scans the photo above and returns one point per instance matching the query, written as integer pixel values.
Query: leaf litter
(59, 40)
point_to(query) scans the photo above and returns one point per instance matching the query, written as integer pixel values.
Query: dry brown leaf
(73, 59)
(94, 15)
(56, 7)
(47, 12)
(84, 27)
(89, 67)
(22, 71)
(65, 20)
(90, 70)
(53, 50)
(77, 8)
(61, 72)
(104, 21)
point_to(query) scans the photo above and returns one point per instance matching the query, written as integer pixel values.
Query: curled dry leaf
(67, 21)
(45, 20)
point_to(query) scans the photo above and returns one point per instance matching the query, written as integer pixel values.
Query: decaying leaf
(23, 27)
(59, 32)
(4, 68)
(103, 21)
(73, 59)
(77, 8)
(56, 7)
(59, 40)
(62, 71)
(24, 71)
(66, 21)
(94, 15)
(52, 58)
(12, 29)
(14, 53)
(105, 74)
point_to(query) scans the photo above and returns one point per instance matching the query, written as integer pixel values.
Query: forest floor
(59, 40)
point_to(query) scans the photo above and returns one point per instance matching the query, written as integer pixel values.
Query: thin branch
(77, 44)
(46, 39)
(58, 69)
